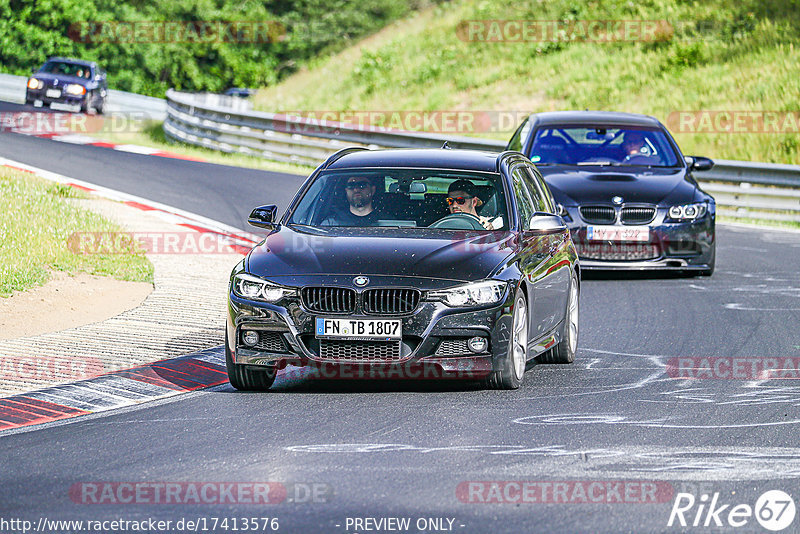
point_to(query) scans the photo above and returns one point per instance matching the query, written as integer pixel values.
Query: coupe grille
(329, 299)
(618, 251)
(598, 214)
(359, 351)
(641, 215)
(390, 301)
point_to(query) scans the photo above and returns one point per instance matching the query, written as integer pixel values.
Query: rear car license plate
(618, 233)
(343, 328)
(53, 93)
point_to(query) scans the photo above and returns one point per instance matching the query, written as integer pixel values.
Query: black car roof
(72, 60)
(594, 117)
(470, 160)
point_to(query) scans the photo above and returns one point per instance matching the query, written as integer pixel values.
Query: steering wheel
(458, 221)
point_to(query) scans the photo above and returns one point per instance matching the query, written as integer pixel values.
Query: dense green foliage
(32, 30)
(731, 55)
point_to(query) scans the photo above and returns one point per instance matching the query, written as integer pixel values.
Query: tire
(99, 106)
(564, 352)
(245, 379)
(513, 367)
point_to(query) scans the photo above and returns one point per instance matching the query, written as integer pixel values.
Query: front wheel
(245, 379)
(564, 352)
(513, 368)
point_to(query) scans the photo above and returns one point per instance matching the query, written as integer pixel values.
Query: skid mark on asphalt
(114, 390)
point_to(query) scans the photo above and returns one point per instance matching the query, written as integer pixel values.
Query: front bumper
(433, 343)
(678, 246)
(65, 98)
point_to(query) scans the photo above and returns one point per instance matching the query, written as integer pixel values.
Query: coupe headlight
(254, 288)
(475, 294)
(33, 83)
(687, 212)
(75, 89)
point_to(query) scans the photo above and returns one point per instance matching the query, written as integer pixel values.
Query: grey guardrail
(742, 189)
(12, 89)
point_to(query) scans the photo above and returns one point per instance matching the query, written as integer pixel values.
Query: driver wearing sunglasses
(462, 197)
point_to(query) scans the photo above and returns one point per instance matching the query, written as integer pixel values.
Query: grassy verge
(151, 134)
(758, 222)
(38, 219)
(716, 56)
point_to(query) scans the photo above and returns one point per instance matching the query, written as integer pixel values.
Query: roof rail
(343, 152)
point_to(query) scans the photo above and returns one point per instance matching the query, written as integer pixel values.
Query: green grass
(151, 134)
(721, 55)
(38, 219)
(758, 222)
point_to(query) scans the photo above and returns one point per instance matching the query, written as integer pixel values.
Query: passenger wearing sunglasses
(462, 197)
(359, 191)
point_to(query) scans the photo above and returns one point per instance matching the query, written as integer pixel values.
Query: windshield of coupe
(404, 198)
(594, 145)
(67, 69)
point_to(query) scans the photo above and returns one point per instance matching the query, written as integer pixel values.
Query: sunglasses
(457, 200)
(357, 185)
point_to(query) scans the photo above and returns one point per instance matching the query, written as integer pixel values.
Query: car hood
(62, 78)
(572, 186)
(291, 256)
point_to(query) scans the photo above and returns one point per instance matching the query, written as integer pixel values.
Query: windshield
(595, 145)
(67, 69)
(405, 198)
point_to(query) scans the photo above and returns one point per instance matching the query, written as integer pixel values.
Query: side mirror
(546, 223)
(699, 163)
(263, 217)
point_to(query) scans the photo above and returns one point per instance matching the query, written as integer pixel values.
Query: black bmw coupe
(624, 188)
(416, 263)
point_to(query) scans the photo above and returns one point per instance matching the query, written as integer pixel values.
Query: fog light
(250, 338)
(477, 344)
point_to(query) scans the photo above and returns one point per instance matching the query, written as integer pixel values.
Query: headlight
(563, 213)
(475, 294)
(33, 83)
(75, 89)
(687, 212)
(254, 288)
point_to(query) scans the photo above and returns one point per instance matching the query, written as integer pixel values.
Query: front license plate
(53, 93)
(358, 328)
(618, 233)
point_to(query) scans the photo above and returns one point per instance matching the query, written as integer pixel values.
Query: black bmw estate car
(408, 261)
(68, 81)
(624, 188)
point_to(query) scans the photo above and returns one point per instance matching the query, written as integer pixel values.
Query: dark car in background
(71, 82)
(381, 262)
(241, 92)
(624, 188)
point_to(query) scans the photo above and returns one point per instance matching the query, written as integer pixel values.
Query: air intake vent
(390, 301)
(598, 214)
(329, 299)
(637, 215)
(359, 351)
